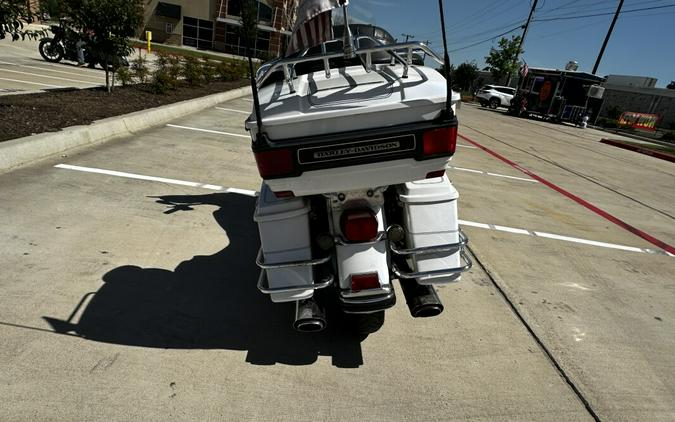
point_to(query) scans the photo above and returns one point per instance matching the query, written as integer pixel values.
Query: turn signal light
(284, 194)
(365, 282)
(274, 163)
(440, 141)
(359, 225)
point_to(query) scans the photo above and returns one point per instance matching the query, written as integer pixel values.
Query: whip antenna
(446, 64)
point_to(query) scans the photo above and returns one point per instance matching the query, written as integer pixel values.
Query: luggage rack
(286, 65)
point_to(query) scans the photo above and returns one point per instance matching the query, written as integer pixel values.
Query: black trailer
(557, 95)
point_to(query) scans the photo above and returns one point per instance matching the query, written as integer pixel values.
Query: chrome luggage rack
(365, 54)
(449, 248)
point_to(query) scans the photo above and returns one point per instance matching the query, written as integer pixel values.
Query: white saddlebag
(430, 218)
(284, 234)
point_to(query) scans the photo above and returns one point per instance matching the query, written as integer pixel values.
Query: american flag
(314, 24)
(524, 69)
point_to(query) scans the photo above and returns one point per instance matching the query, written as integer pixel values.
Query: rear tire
(494, 103)
(49, 52)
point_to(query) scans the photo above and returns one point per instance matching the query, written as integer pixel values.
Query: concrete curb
(656, 154)
(22, 151)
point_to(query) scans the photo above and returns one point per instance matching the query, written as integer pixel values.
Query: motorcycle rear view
(352, 141)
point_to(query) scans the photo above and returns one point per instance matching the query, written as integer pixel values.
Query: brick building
(215, 24)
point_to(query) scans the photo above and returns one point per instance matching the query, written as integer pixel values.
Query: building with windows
(215, 25)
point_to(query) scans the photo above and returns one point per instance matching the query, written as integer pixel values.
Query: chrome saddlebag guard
(434, 251)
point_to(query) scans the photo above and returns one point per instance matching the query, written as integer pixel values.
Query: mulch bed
(24, 115)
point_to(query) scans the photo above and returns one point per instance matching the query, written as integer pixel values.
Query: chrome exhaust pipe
(422, 300)
(309, 316)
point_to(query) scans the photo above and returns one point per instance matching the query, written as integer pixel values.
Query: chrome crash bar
(437, 273)
(286, 65)
(263, 285)
(450, 247)
(263, 282)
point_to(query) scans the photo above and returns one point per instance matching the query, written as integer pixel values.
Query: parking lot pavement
(22, 69)
(604, 313)
(129, 289)
(151, 284)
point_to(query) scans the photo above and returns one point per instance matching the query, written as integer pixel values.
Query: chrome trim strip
(437, 273)
(263, 285)
(260, 261)
(366, 300)
(339, 240)
(450, 247)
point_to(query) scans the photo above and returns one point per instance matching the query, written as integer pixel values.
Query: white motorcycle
(352, 141)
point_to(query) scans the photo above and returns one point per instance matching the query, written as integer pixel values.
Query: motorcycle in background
(63, 46)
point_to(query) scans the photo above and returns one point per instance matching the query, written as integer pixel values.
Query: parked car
(495, 96)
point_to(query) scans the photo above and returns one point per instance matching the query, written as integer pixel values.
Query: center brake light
(275, 162)
(365, 282)
(440, 141)
(359, 225)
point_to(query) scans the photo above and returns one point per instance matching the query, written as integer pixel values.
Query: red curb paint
(649, 238)
(655, 154)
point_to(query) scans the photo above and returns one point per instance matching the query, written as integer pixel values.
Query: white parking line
(209, 131)
(467, 146)
(31, 83)
(50, 77)
(492, 174)
(156, 179)
(559, 237)
(233, 110)
(98, 76)
(461, 222)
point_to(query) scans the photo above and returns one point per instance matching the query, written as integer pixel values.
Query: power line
(486, 40)
(560, 18)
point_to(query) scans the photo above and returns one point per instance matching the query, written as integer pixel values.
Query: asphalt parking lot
(128, 288)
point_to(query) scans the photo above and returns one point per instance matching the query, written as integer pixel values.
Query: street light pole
(609, 34)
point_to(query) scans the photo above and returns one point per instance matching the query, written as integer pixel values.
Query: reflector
(365, 282)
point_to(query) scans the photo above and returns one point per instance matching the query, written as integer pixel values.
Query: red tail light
(440, 141)
(277, 162)
(435, 174)
(365, 282)
(284, 194)
(359, 225)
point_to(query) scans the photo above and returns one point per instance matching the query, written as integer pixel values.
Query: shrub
(124, 75)
(164, 78)
(608, 123)
(209, 72)
(192, 71)
(613, 113)
(668, 136)
(139, 69)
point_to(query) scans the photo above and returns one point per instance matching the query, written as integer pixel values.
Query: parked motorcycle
(352, 150)
(64, 46)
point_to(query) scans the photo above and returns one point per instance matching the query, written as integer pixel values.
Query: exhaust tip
(309, 325)
(427, 311)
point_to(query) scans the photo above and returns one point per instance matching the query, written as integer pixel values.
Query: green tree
(112, 22)
(465, 75)
(14, 14)
(502, 62)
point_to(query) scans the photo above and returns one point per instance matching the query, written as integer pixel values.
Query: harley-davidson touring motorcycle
(352, 141)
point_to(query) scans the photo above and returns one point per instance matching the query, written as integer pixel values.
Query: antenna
(446, 64)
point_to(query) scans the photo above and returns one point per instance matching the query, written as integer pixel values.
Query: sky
(642, 43)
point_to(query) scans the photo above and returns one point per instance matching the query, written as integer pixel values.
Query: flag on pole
(524, 69)
(314, 24)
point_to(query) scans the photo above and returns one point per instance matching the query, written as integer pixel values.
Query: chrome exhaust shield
(422, 300)
(309, 317)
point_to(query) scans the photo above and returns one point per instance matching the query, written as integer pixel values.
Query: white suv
(495, 96)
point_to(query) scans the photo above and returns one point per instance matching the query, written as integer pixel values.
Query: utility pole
(609, 34)
(408, 36)
(522, 38)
